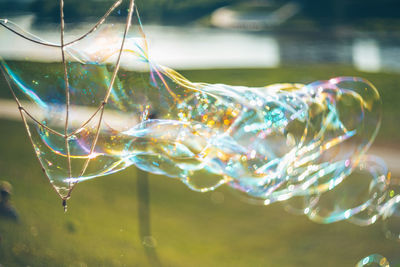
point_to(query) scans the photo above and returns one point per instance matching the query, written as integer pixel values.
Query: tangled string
(100, 104)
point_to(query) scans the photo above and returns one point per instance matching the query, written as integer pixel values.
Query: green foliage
(331, 12)
(324, 13)
(161, 11)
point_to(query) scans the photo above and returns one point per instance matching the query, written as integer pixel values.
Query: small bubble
(374, 260)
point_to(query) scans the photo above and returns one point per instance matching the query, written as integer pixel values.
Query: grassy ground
(190, 229)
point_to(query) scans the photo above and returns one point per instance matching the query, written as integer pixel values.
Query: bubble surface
(374, 260)
(100, 103)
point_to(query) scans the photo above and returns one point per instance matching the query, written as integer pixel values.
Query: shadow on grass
(143, 200)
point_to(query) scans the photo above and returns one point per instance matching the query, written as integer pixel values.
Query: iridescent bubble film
(102, 104)
(374, 260)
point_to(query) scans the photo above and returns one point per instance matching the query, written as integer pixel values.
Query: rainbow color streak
(302, 144)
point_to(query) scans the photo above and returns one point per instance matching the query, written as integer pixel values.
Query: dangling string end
(64, 203)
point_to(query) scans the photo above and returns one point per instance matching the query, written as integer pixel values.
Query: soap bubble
(374, 260)
(100, 103)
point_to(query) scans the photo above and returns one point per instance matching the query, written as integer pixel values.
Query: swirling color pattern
(302, 144)
(374, 260)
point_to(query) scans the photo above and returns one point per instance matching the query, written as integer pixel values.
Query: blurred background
(257, 33)
(239, 42)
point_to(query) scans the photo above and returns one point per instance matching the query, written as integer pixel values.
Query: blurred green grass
(190, 229)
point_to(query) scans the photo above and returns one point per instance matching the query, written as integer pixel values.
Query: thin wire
(41, 42)
(128, 23)
(86, 122)
(21, 112)
(66, 135)
(41, 124)
(67, 96)
(101, 21)
(101, 107)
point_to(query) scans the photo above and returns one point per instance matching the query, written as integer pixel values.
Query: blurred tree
(331, 12)
(325, 13)
(162, 11)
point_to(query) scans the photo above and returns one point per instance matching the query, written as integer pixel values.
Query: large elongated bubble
(100, 103)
